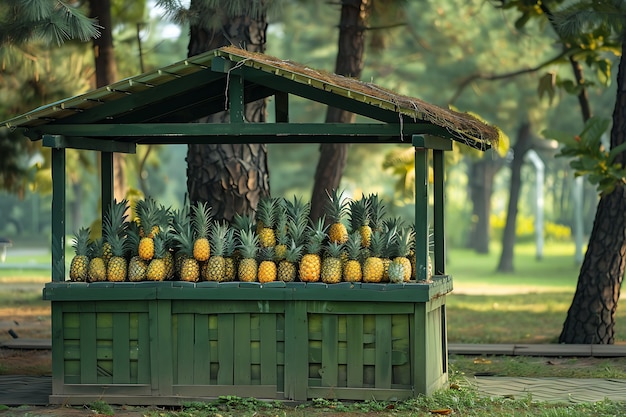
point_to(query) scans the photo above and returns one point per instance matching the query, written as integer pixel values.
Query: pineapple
(114, 228)
(97, 269)
(297, 209)
(267, 268)
(248, 247)
(148, 214)
(336, 210)
(282, 237)
(186, 266)
(80, 262)
(137, 267)
(331, 265)
(201, 219)
(266, 218)
(287, 267)
(311, 264)
(230, 268)
(156, 268)
(389, 239)
(216, 265)
(404, 242)
(373, 268)
(352, 271)
(360, 220)
(396, 272)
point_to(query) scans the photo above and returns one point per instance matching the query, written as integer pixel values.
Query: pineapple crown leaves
(114, 222)
(96, 248)
(396, 223)
(183, 237)
(377, 244)
(230, 243)
(316, 234)
(243, 222)
(297, 209)
(217, 237)
(80, 243)
(161, 244)
(201, 219)
(146, 210)
(359, 213)
(133, 238)
(405, 239)
(266, 211)
(267, 254)
(353, 245)
(336, 206)
(248, 243)
(378, 211)
(390, 237)
(334, 249)
(293, 252)
(297, 230)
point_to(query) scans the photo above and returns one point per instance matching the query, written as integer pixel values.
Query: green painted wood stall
(166, 343)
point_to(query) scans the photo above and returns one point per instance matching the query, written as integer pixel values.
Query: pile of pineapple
(278, 243)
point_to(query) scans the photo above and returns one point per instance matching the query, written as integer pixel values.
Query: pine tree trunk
(591, 317)
(520, 148)
(106, 73)
(230, 177)
(349, 62)
(481, 177)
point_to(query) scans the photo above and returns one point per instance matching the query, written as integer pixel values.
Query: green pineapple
(396, 272)
(80, 262)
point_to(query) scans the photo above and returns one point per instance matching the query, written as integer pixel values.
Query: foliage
(590, 156)
(102, 407)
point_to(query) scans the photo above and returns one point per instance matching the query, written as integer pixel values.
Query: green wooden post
(281, 107)
(296, 351)
(106, 180)
(235, 98)
(438, 213)
(58, 213)
(421, 208)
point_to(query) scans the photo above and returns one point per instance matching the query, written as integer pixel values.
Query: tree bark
(591, 317)
(231, 178)
(349, 62)
(106, 73)
(520, 148)
(481, 177)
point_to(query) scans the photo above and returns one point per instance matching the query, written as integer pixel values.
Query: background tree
(230, 177)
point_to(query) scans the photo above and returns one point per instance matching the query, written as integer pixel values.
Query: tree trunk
(481, 177)
(230, 178)
(349, 62)
(106, 73)
(591, 317)
(520, 148)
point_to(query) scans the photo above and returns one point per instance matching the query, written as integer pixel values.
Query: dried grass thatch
(464, 127)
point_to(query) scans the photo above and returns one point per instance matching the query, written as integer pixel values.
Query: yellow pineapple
(201, 219)
(186, 266)
(360, 220)
(80, 261)
(114, 227)
(156, 268)
(266, 218)
(352, 271)
(216, 265)
(267, 268)
(97, 270)
(148, 215)
(288, 267)
(335, 210)
(248, 248)
(230, 267)
(373, 268)
(137, 267)
(311, 263)
(331, 265)
(282, 232)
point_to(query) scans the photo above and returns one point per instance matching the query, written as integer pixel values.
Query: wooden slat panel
(330, 367)
(383, 351)
(268, 349)
(144, 355)
(184, 349)
(121, 348)
(241, 348)
(340, 307)
(58, 346)
(88, 361)
(354, 336)
(225, 344)
(296, 351)
(201, 350)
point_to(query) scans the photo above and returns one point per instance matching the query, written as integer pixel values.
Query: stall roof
(157, 106)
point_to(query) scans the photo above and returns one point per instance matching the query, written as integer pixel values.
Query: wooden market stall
(171, 342)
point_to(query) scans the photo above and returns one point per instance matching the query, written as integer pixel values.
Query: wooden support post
(438, 214)
(106, 181)
(281, 107)
(58, 214)
(421, 210)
